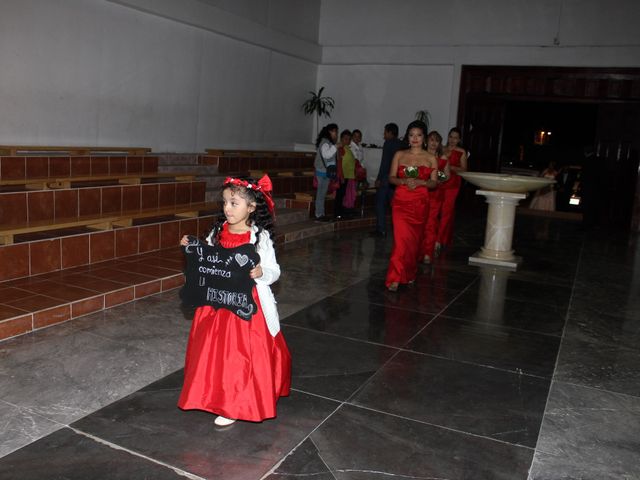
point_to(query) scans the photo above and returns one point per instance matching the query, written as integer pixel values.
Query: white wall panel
(290, 80)
(233, 93)
(369, 96)
(99, 73)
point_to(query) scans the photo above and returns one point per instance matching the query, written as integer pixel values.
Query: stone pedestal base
(478, 259)
(499, 231)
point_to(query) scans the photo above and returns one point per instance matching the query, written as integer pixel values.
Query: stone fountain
(502, 192)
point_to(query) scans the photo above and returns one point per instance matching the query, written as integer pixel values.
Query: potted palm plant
(318, 105)
(424, 116)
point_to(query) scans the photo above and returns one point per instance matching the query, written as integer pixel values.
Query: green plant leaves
(319, 105)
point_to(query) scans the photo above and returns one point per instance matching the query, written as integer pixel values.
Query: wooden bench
(46, 183)
(106, 221)
(241, 153)
(13, 150)
(285, 172)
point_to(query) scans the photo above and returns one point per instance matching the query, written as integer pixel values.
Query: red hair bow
(263, 185)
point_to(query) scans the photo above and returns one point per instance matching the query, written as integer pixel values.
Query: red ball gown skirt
(234, 367)
(409, 210)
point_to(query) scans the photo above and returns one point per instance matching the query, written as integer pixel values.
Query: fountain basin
(503, 182)
(502, 192)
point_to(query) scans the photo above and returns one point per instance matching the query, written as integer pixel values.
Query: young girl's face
(236, 208)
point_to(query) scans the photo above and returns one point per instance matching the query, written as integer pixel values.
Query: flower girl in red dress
(237, 362)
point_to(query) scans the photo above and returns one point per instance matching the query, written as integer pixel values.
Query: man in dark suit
(384, 191)
(565, 181)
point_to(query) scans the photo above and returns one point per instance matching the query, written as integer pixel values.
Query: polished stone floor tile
(70, 456)
(352, 258)
(537, 269)
(303, 462)
(609, 367)
(306, 287)
(420, 297)
(156, 324)
(483, 401)
(488, 345)
(477, 306)
(20, 427)
(439, 276)
(589, 326)
(151, 424)
(360, 320)
(360, 444)
(606, 278)
(332, 366)
(65, 373)
(173, 381)
(588, 434)
(621, 304)
(533, 292)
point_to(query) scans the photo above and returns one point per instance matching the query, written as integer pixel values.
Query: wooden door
(616, 147)
(482, 131)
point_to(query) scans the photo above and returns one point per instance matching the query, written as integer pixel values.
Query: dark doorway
(536, 133)
(592, 114)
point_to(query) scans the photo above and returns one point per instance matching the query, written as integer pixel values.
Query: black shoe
(323, 219)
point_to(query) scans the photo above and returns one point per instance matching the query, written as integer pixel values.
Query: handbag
(332, 170)
(334, 185)
(360, 172)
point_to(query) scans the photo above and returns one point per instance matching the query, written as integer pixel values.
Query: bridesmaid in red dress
(436, 197)
(457, 163)
(413, 172)
(237, 363)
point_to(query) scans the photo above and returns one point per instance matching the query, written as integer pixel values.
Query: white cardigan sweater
(270, 274)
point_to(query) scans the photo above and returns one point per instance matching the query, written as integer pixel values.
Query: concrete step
(310, 228)
(288, 216)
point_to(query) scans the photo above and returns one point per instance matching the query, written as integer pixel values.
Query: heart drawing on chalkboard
(241, 259)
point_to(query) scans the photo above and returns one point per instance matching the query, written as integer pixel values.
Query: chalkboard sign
(219, 277)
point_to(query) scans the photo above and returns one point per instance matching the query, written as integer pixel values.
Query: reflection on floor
(470, 374)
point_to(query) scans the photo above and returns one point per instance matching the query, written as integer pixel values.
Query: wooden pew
(13, 150)
(45, 183)
(105, 221)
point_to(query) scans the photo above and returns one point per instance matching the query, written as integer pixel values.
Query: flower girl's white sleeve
(268, 262)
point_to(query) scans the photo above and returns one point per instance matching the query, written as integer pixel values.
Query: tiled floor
(471, 374)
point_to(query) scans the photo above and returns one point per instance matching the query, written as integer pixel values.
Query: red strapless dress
(234, 367)
(409, 209)
(432, 226)
(450, 191)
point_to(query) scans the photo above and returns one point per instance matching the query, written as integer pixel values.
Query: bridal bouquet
(442, 176)
(411, 171)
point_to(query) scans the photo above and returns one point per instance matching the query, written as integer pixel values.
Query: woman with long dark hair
(326, 166)
(413, 172)
(436, 198)
(457, 157)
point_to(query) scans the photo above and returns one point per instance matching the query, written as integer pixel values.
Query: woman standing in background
(436, 196)
(457, 157)
(325, 166)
